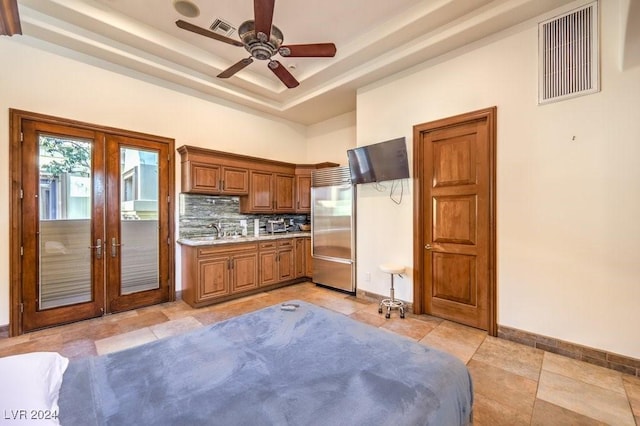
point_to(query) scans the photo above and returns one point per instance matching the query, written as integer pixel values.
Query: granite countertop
(211, 240)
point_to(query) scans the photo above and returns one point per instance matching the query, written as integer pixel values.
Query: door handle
(98, 248)
(114, 247)
(427, 246)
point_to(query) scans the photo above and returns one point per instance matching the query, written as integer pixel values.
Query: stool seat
(392, 268)
(391, 303)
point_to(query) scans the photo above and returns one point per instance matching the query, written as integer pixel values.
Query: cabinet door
(303, 194)
(309, 260)
(202, 178)
(286, 264)
(213, 278)
(285, 193)
(235, 181)
(268, 267)
(300, 258)
(260, 196)
(244, 271)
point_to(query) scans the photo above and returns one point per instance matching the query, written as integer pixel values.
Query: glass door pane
(139, 220)
(65, 222)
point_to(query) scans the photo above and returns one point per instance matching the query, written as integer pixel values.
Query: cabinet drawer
(216, 250)
(285, 243)
(268, 245)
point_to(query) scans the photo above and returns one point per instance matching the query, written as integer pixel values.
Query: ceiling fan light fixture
(259, 47)
(186, 8)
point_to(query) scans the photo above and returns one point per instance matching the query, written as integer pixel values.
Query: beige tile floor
(514, 384)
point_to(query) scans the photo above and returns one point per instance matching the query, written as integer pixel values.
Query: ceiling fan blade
(309, 50)
(202, 31)
(235, 68)
(263, 16)
(283, 74)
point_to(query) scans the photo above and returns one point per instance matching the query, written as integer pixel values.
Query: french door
(95, 222)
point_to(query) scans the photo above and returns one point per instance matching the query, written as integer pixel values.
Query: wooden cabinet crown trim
(194, 153)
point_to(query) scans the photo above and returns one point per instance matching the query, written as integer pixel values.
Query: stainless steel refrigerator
(333, 219)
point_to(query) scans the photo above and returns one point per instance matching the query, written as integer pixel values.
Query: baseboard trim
(621, 363)
(374, 297)
(4, 331)
(613, 361)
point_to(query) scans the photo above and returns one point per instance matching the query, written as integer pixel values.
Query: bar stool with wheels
(392, 303)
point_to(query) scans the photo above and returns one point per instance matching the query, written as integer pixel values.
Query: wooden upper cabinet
(201, 178)
(303, 189)
(234, 181)
(285, 193)
(269, 193)
(260, 197)
(264, 186)
(207, 173)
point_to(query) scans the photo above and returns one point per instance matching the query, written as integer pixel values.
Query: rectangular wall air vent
(568, 55)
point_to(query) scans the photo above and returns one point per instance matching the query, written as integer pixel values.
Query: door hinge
(21, 194)
(169, 241)
(21, 137)
(21, 251)
(22, 308)
(168, 199)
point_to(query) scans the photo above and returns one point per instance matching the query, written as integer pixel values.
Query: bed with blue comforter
(308, 366)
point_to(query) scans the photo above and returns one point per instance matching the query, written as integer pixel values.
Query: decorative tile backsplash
(199, 212)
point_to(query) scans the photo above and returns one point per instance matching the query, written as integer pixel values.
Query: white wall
(330, 139)
(568, 210)
(37, 81)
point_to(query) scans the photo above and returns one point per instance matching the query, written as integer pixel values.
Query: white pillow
(29, 388)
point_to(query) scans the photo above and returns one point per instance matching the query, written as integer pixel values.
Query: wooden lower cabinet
(215, 273)
(308, 259)
(301, 260)
(268, 263)
(277, 261)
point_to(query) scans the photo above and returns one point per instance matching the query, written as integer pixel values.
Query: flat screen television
(379, 162)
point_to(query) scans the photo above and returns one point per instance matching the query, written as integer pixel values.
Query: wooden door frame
(490, 116)
(16, 117)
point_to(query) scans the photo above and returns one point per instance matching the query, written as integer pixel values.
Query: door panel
(456, 245)
(214, 276)
(454, 219)
(62, 277)
(136, 241)
(244, 270)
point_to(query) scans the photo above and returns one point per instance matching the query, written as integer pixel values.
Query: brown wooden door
(455, 250)
(285, 193)
(286, 267)
(137, 238)
(244, 271)
(235, 181)
(268, 267)
(62, 277)
(260, 191)
(303, 193)
(95, 220)
(202, 178)
(213, 278)
(300, 258)
(308, 259)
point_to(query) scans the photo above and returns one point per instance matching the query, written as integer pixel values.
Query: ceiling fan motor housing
(256, 44)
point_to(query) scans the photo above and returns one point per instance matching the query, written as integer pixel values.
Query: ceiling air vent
(222, 27)
(568, 55)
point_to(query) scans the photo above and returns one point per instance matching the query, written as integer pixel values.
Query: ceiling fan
(263, 40)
